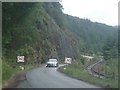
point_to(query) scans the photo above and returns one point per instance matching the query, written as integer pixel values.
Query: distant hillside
(91, 35)
(40, 31)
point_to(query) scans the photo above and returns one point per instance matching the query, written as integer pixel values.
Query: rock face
(67, 47)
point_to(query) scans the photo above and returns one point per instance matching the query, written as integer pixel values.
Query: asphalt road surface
(43, 77)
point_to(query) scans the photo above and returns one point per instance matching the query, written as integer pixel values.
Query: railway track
(96, 73)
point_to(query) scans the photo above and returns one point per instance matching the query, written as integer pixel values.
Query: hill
(42, 31)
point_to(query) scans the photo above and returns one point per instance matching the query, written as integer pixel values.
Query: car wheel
(57, 65)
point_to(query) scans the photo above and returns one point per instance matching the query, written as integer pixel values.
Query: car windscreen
(52, 60)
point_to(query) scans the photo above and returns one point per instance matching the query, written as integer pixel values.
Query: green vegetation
(0, 72)
(40, 31)
(91, 35)
(43, 28)
(8, 71)
(79, 71)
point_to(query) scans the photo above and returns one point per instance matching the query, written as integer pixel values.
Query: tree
(110, 49)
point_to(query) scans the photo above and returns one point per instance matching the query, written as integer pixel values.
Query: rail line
(93, 72)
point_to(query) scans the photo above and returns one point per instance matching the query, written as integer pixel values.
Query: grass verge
(0, 73)
(9, 72)
(76, 71)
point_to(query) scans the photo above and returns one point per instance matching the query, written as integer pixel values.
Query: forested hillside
(41, 30)
(29, 30)
(92, 35)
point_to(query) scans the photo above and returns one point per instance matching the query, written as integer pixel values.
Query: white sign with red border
(20, 59)
(68, 60)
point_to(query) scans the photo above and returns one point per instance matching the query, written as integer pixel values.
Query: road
(43, 77)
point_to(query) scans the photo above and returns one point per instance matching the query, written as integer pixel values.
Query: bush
(7, 71)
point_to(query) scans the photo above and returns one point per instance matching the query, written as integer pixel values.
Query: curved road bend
(43, 77)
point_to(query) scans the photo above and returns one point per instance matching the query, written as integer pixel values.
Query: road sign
(68, 60)
(20, 59)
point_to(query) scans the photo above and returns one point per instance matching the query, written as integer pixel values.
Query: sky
(103, 11)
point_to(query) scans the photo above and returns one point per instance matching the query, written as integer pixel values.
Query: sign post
(20, 59)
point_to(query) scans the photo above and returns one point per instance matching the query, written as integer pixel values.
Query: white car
(52, 63)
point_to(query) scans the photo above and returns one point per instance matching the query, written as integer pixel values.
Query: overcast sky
(103, 11)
